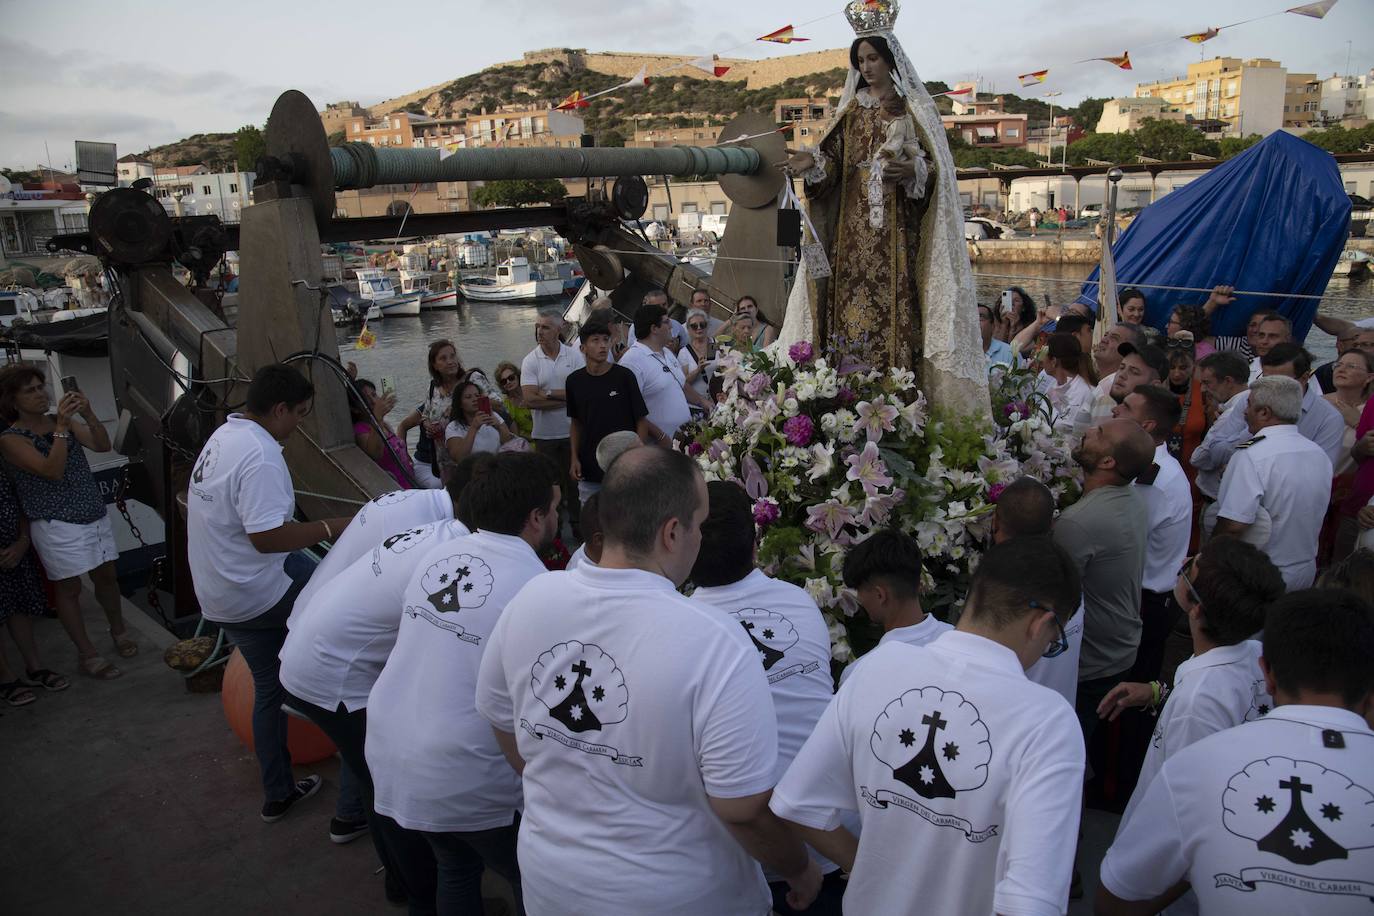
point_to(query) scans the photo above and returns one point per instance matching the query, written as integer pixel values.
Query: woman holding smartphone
(474, 426)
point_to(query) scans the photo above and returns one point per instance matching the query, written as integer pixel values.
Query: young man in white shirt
(789, 634)
(1269, 818)
(1282, 472)
(438, 772)
(589, 551)
(543, 376)
(240, 539)
(1026, 509)
(885, 571)
(661, 380)
(1169, 502)
(641, 722)
(968, 777)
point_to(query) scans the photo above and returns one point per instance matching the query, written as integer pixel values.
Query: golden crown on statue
(869, 17)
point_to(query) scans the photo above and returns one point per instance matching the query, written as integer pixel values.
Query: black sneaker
(342, 831)
(274, 811)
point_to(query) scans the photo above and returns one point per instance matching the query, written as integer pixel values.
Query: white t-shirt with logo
(660, 380)
(1270, 818)
(966, 775)
(239, 486)
(915, 635)
(631, 705)
(338, 643)
(435, 763)
(1214, 691)
(1060, 673)
(385, 515)
(550, 375)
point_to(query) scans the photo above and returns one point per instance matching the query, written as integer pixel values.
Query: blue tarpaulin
(1273, 219)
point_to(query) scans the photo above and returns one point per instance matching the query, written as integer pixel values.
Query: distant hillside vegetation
(213, 150)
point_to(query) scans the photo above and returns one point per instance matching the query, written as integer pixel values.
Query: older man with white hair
(1282, 472)
(543, 381)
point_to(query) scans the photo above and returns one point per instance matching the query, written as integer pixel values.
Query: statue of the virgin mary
(884, 203)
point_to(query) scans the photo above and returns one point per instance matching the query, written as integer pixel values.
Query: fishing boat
(514, 282)
(1352, 264)
(348, 308)
(422, 282)
(375, 286)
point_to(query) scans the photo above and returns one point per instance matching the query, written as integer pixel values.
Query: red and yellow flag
(782, 36)
(964, 91)
(710, 63)
(366, 339)
(576, 100)
(1198, 38)
(1124, 61)
(1030, 79)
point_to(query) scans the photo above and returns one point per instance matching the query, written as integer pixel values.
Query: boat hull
(447, 299)
(514, 292)
(407, 304)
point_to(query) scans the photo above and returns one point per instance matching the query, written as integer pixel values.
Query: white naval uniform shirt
(631, 705)
(660, 382)
(1270, 818)
(1290, 477)
(966, 775)
(550, 375)
(435, 763)
(915, 635)
(338, 644)
(399, 510)
(1169, 500)
(1212, 454)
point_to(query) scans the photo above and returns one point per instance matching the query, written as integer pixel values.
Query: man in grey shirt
(1105, 533)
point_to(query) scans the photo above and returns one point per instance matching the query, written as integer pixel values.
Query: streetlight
(1049, 155)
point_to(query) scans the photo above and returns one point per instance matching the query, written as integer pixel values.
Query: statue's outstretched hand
(798, 161)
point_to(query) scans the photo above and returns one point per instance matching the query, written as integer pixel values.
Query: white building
(1348, 99)
(222, 194)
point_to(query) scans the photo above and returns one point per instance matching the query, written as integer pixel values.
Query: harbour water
(487, 333)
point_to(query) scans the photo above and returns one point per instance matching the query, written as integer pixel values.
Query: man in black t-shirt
(603, 398)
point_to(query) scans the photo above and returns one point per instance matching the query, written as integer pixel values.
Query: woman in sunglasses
(698, 357)
(513, 400)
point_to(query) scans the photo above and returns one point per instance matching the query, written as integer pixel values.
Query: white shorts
(425, 477)
(68, 550)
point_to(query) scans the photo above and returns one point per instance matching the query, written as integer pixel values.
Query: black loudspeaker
(789, 228)
(588, 140)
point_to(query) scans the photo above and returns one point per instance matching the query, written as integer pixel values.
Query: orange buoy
(304, 739)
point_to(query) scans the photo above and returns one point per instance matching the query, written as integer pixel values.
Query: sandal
(98, 668)
(48, 680)
(124, 644)
(16, 693)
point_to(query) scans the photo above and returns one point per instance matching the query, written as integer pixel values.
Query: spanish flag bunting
(1315, 10)
(952, 92)
(639, 79)
(366, 339)
(710, 64)
(576, 100)
(782, 36)
(1198, 38)
(1124, 61)
(1030, 79)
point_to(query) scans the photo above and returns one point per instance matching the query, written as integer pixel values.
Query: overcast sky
(145, 72)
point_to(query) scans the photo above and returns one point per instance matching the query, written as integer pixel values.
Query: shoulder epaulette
(1249, 442)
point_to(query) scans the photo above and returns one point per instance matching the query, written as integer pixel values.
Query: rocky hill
(213, 150)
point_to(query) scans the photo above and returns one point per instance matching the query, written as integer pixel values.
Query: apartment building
(1302, 101)
(1249, 96)
(1123, 116)
(1348, 99)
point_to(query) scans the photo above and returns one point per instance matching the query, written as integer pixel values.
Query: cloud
(92, 123)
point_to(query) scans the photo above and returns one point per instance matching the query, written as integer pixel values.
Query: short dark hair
(1275, 316)
(888, 556)
(12, 379)
(503, 492)
(474, 465)
(1130, 293)
(647, 318)
(1355, 572)
(1025, 508)
(727, 536)
(358, 407)
(275, 384)
(1321, 639)
(1072, 324)
(647, 487)
(593, 326)
(1024, 575)
(1288, 352)
(1162, 406)
(1066, 349)
(1194, 319)
(1225, 364)
(1236, 582)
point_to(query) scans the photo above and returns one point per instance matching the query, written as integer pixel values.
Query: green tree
(250, 145)
(612, 136)
(1341, 140)
(336, 139)
(1104, 147)
(1171, 141)
(1234, 146)
(520, 192)
(1088, 113)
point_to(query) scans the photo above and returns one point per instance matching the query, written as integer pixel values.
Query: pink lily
(868, 469)
(830, 516)
(875, 418)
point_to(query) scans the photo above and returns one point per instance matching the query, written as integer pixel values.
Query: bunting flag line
(639, 79)
(1124, 61)
(1030, 79)
(576, 100)
(710, 64)
(1198, 38)
(782, 36)
(1315, 10)
(952, 92)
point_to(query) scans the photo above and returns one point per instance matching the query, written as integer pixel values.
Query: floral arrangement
(830, 450)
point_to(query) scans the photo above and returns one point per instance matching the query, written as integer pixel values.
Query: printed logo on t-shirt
(205, 467)
(1303, 812)
(399, 543)
(935, 743)
(584, 691)
(1260, 701)
(772, 635)
(456, 583)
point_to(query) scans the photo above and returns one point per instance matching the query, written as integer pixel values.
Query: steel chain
(155, 571)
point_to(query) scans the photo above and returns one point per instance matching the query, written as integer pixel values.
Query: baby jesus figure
(900, 144)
